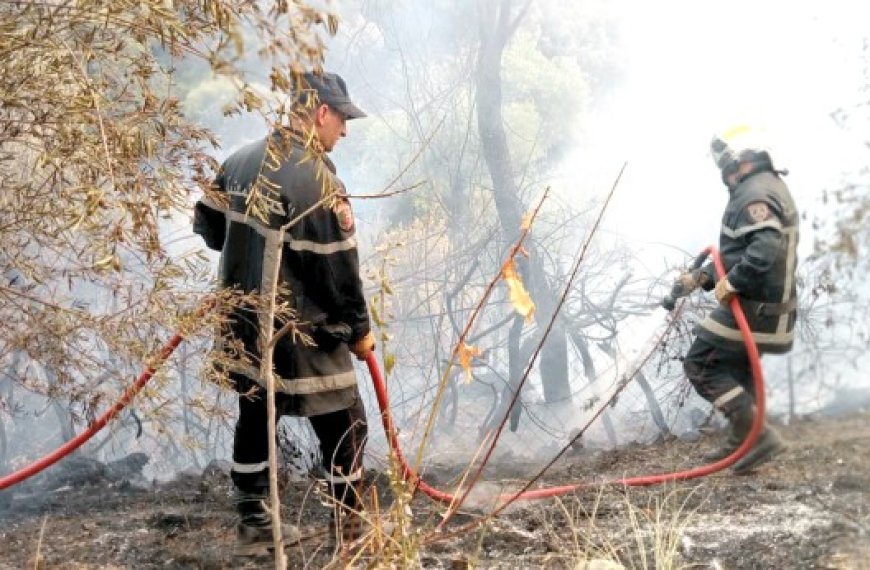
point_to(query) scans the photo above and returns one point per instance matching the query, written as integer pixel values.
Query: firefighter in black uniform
(758, 245)
(319, 274)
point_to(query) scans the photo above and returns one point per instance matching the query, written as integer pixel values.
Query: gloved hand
(687, 282)
(724, 291)
(684, 284)
(363, 346)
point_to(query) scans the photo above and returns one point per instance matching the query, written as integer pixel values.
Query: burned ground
(811, 509)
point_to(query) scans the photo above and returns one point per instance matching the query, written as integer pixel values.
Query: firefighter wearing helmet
(758, 246)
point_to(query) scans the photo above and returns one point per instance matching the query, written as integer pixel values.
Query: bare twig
(565, 291)
(387, 194)
(416, 156)
(442, 385)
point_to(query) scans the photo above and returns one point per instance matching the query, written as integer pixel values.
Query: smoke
(665, 86)
(587, 89)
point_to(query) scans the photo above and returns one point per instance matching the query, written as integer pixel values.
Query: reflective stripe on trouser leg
(336, 477)
(719, 376)
(721, 403)
(345, 489)
(250, 467)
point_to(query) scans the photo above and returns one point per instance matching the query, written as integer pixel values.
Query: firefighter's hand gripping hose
(409, 475)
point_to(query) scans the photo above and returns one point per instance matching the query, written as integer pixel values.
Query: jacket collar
(304, 142)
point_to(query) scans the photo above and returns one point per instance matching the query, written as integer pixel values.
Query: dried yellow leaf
(517, 294)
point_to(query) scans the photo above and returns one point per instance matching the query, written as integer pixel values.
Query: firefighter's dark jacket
(319, 263)
(758, 245)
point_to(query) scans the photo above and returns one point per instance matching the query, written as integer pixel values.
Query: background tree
(98, 164)
(427, 96)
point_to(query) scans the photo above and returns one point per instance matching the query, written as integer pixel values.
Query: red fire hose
(80, 439)
(758, 381)
(389, 427)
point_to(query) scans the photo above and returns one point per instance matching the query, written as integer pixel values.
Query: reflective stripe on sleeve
(772, 223)
(321, 248)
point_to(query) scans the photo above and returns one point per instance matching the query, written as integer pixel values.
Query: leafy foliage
(98, 162)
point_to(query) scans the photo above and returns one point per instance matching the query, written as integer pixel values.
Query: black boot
(739, 425)
(768, 445)
(728, 446)
(254, 531)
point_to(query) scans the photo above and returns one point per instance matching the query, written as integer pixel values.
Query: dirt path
(811, 509)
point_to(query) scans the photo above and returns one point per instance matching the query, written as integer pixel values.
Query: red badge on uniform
(758, 211)
(344, 214)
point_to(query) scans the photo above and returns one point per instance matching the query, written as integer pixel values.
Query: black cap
(332, 90)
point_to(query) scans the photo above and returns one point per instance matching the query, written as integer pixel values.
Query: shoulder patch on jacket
(759, 211)
(344, 214)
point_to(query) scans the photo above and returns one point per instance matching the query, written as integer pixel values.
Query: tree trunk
(496, 28)
(654, 409)
(791, 402)
(589, 370)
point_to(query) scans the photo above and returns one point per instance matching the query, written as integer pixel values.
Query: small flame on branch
(517, 293)
(527, 221)
(466, 352)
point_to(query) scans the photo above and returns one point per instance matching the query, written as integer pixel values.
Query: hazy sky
(695, 67)
(690, 68)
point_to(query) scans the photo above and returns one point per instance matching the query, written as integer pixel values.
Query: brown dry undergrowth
(807, 510)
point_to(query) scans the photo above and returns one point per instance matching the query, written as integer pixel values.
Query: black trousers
(721, 376)
(341, 434)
